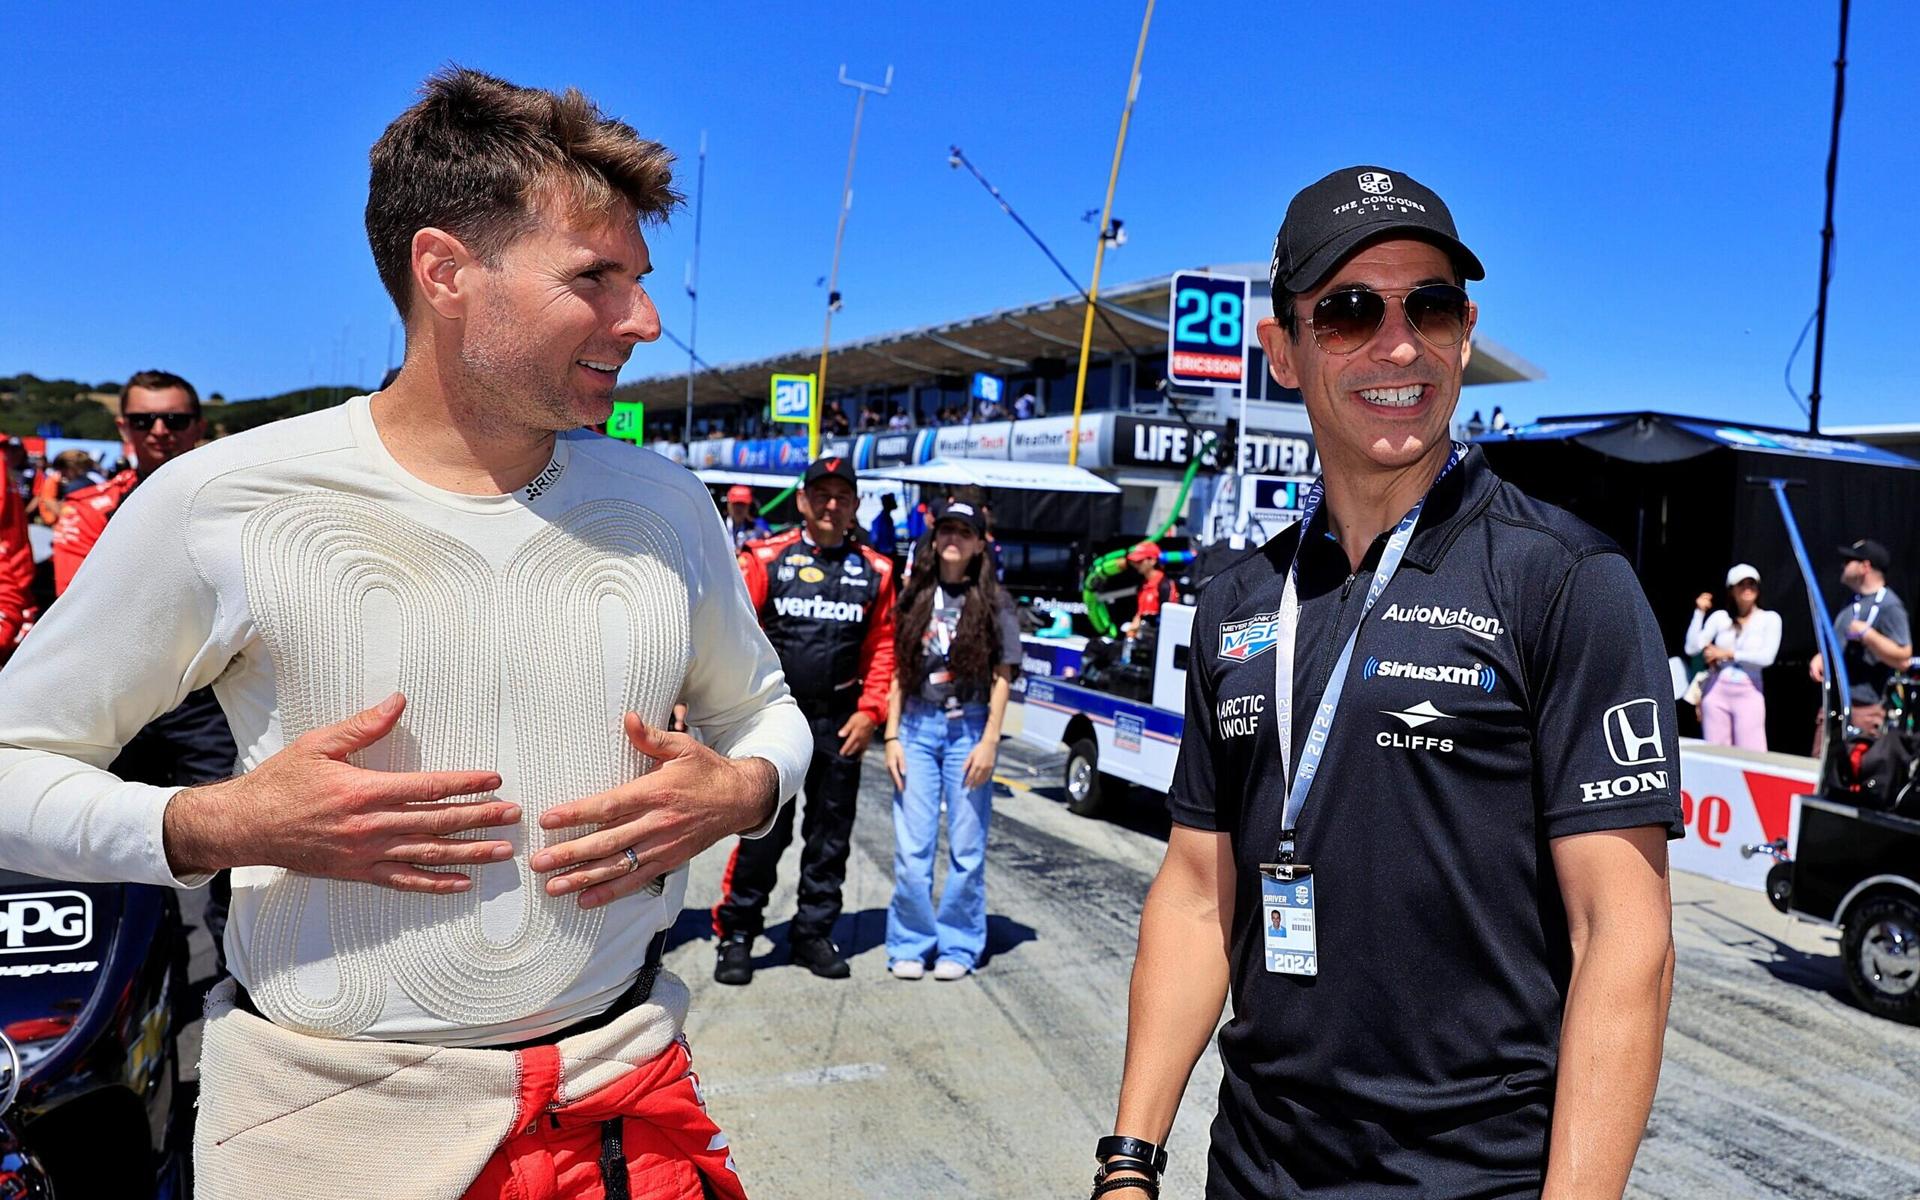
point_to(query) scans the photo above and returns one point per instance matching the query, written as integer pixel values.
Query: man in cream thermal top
(447, 626)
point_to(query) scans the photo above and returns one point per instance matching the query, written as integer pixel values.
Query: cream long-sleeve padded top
(306, 575)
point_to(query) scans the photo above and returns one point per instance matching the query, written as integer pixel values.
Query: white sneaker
(909, 968)
(947, 970)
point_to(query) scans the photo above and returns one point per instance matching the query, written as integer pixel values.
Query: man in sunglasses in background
(160, 419)
(1430, 726)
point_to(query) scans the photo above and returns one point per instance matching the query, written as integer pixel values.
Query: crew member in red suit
(160, 420)
(826, 604)
(1156, 586)
(17, 607)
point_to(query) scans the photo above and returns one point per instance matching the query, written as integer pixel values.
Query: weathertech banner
(1730, 798)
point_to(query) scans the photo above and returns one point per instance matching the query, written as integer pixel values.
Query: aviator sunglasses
(1344, 321)
(177, 422)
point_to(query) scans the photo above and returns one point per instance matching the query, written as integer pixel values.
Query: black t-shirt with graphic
(1509, 688)
(941, 686)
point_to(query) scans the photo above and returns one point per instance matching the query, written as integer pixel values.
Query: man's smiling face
(1389, 400)
(556, 317)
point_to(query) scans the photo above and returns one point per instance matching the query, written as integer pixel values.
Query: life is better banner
(1731, 798)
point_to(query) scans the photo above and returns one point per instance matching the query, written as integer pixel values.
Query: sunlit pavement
(1774, 1085)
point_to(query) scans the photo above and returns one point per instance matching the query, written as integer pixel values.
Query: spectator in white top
(1737, 646)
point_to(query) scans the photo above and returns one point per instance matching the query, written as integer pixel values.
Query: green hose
(1114, 562)
(774, 503)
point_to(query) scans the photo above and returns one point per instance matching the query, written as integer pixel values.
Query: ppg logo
(1633, 733)
(1376, 183)
(36, 922)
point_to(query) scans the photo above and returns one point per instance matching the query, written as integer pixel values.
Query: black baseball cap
(1331, 219)
(839, 465)
(960, 510)
(1867, 548)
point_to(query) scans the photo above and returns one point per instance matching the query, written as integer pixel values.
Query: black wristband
(1121, 1162)
(1148, 1186)
(1121, 1146)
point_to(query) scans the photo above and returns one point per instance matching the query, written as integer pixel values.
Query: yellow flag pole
(1100, 250)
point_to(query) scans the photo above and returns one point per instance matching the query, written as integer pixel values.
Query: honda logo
(1633, 733)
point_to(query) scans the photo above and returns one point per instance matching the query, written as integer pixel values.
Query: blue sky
(181, 186)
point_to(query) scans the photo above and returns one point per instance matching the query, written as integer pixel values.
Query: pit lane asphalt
(1774, 1085)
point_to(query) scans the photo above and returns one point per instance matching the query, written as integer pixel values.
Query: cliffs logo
(36, 922)
(1242, 640)
(1479, 675)
(819, 608)
(1433, 616)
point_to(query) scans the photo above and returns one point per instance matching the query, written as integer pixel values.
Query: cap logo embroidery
(1376, 183)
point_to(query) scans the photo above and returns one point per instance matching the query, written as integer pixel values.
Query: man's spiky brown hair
(478, 157)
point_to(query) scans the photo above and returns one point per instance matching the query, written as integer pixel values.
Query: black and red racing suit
(829, 614)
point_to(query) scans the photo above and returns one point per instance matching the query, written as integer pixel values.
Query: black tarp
(1685, 505)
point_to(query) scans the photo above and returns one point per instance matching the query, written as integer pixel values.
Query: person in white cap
(1737, 646)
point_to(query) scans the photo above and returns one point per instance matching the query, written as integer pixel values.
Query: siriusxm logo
(1242, 640)
(1479, 675)
(819, 608)
(1435, 617)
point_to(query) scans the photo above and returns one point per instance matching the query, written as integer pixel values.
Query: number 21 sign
(1206, 330)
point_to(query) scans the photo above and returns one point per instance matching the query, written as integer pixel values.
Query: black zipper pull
(1346, 589)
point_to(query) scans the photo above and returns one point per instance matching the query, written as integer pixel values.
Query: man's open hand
(857, 732)
(692, 799)
(309, 810)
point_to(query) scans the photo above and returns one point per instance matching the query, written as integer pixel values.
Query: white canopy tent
(995, 473)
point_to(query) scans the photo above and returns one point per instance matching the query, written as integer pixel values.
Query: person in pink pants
(1736, 645)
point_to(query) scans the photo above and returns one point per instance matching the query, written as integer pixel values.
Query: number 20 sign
(1206, 330)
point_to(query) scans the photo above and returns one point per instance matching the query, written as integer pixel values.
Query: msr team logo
(1242, 640)
(1479, 675)
(1376, 183)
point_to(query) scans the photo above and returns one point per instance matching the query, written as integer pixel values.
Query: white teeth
(598, 366)
(1400, 397)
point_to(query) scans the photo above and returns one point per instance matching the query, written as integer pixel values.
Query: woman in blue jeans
(957, 646)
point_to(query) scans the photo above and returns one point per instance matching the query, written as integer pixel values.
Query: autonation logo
(1435, 617)
(1479, 675)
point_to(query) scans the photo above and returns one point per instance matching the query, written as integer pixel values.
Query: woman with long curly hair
(957, 646)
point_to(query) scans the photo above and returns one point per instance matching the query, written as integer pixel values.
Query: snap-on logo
(36, 922)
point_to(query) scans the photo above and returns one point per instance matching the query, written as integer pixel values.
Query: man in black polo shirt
(1466, 993)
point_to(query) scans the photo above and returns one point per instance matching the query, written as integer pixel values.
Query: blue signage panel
(988, 387)
(1207, 330)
